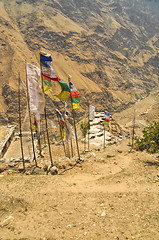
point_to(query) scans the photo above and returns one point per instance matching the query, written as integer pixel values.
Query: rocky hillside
(110, 48)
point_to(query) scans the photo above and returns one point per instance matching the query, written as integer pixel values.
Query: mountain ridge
(110, 48)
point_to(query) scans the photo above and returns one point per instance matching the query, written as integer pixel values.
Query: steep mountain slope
(110, 48)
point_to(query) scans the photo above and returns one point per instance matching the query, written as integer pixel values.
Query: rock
(16, 138)
(53, 170)
(2, 160)
(103, 214)
(119, 151)
(6, 221)
(81, 160)
(92, 154)
(109, 155)
(11, 165)
(102, 205)
(37, 171)
(9, 171)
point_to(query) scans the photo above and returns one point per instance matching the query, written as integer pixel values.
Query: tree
(84, 129)
(150, 139)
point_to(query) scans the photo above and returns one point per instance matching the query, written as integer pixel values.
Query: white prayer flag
(52, 125)
(71, 132)
(91, 112)
(36, 95)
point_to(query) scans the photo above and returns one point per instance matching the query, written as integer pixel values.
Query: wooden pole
(67, 125)
(38, 135)
(104, 135)
(31, 130)
(68, 149)
(71, 147)
(133, 131)
(88, 127)
(20, 126)
(43, 131)
(57, 113)
(46, 124)
(67, 138)
(74, 122)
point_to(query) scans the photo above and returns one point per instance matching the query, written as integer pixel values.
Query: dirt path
(103, 198)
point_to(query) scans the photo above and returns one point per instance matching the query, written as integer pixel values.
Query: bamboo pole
(67, 137)
(67, 123)
(58, 113)
(74, 122)
(133, 131)
(104, 135)
(68, 149)
(20, 127)
(38, 135)
(31, 130)
(88, 126)
(71, 148)
(46, 124)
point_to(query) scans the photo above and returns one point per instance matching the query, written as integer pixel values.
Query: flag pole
(57, 113)
(46, 124)
(74, 122)
(67, 141)
(104, 135)
(20, 126)
(38, 135)
(71, 147)
(31, 130)
(88, 127)
(133, 131)
(67, 123)
(68, 150)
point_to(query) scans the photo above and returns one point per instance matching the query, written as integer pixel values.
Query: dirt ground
(112, 194)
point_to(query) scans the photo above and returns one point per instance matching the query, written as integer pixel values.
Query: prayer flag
(62, 126)
(49, 74)
(36, 95)
(107, 118)
(52, 125)
(71, 131)
(65, 90)
(35, 125)
(74, 96)
(66, 115)
(91, 112)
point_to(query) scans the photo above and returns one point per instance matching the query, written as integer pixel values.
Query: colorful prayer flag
(49, 74)
(74, 96)
(36, 96)
(35, 125)
(65, 90)
(66, 115)
(62, 126)
(107, 119)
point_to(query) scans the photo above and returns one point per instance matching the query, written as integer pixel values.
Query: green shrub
(150, 139)
(84, 129)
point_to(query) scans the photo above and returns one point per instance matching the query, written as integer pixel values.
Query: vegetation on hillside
(150, 139)
(84, 127)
